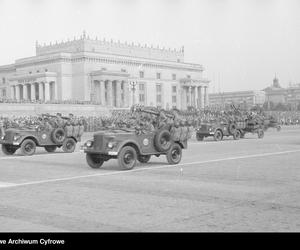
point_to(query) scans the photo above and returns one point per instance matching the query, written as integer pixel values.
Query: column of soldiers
(45, 122)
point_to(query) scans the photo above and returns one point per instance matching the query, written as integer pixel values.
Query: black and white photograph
(148, 116)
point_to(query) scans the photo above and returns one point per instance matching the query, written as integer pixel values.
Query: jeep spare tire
(162, 140)
(58, 135)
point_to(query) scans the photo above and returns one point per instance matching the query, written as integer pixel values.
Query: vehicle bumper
(205, 133)
(15, 143)
(91, 151)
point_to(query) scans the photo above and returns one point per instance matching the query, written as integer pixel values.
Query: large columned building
(108, 73)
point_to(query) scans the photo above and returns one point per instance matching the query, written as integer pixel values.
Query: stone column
(102, 92)
(92, 89)
(54, 87)
(126, 94)
(12, 92)
(205, 96)
(196, 97)
(47, 91)
(190, 96)
(183, 97)
(118, 94)
(17, 87)
(32, 89)
(200, 97)
(109, 93)
(41, 91)
(25, 92)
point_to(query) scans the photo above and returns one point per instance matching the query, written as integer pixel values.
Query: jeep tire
(94, 160)
(28, 147)
(8, 149)
(174, 154)
(69, 145)
(260, 133)
(199, 137)
(162, 140)
(218, 136)
(144, 158)
(127, 158)
(58, 135)
(232, 128)
(237, 135)
(50, 148)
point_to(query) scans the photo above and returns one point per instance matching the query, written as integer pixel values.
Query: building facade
(108, 73)
(248, 98)
(275, 93)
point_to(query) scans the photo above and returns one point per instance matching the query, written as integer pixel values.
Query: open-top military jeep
(271, 122)
(218, 129)
(237, 129)
(128, 146)
(28, 138)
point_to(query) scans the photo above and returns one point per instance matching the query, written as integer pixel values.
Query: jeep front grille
(98, 141)
(9, 136)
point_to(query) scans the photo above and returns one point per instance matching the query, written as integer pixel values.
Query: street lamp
(133, 89)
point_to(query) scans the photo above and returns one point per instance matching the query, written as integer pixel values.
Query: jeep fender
(31, 137)
(129, 143)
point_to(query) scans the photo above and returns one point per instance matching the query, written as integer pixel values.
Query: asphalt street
(246, 185)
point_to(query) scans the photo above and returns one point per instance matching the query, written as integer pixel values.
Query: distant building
(275, 93)
(293, 96)
(248, 98)
(111, 73)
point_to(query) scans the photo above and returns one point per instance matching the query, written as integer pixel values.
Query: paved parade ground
(246, 185)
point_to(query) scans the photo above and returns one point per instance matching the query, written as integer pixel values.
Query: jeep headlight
(111, 144)
(16, 137)
(89, 144)
(210, 129)
(2, 137)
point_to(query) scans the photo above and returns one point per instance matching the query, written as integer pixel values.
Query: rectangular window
(158, 76)
(3, 80)
(174, 89)
(158, 98)
(173, 76)
(141, 86)
(174, 99)
(141, 74)
(142, 98)
(158, 87)
(188, 76)
(142, 93)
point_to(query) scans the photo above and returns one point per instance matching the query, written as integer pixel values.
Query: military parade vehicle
(129, 145)
(232, 124)
(271, 122)
(28, 138)
(218, 128)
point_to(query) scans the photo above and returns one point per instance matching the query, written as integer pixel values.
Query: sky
(242, 44)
